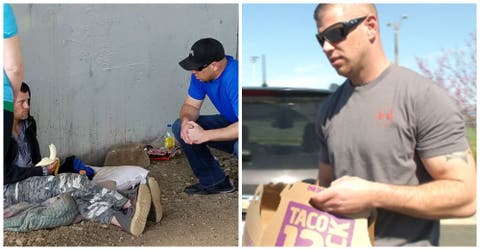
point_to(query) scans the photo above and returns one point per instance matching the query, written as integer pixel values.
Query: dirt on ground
(199, 220)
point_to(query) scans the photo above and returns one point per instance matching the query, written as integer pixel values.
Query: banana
(51, 159)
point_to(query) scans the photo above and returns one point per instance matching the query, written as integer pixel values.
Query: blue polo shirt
(223, 91)
(9, 30)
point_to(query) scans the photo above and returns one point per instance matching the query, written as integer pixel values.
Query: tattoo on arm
(458, 155)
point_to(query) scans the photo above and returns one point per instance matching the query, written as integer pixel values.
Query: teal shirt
(9, 30)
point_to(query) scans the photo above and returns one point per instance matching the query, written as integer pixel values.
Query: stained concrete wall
(104, 74)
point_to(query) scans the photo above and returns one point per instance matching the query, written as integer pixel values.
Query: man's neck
(370, 72)
(222, 64)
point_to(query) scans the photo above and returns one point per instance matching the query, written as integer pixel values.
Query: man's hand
(184, 132)
(190, 112)
(51, 168)
(196, 134)
(347, 195)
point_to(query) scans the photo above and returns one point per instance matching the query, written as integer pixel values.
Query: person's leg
(133, 218)
(230, 147)
(57, 211)
(235, 148)
(93, 201)
(37, 189)
(202, 162)
(156, 210)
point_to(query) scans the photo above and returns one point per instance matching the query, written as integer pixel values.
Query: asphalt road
(459, 232)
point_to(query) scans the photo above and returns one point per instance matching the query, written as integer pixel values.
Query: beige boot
(134, 220)
(156, 211)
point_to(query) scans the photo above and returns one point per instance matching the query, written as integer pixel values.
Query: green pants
(93, 201)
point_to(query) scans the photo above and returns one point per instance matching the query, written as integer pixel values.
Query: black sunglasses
(339, 33)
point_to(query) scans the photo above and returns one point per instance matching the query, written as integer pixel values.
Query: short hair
(24, 88)
(322, 6)
(319, 7)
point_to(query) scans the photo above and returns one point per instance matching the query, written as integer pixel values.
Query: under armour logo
(384, 116)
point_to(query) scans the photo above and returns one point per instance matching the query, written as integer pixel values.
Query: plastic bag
(125, 176)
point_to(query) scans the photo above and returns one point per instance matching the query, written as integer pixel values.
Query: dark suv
(278, 136)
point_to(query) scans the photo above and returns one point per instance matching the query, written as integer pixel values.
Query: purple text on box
(306, 226)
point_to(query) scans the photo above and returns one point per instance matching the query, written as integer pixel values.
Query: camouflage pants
(94, 202)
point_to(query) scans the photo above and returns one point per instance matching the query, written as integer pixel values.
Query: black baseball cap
(203, 52)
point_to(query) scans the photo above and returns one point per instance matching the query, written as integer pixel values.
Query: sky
(284, 34)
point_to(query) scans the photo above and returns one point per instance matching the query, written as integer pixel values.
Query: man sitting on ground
(25, 183)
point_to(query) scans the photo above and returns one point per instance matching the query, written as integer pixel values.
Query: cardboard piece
(280, 215)
(127, 154)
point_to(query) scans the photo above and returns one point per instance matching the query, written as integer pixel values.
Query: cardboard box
(280, 215)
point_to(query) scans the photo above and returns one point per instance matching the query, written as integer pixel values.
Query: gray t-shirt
(381, 130)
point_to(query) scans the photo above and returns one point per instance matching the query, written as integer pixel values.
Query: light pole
(396, 27)
(253, 60)
(264, 72)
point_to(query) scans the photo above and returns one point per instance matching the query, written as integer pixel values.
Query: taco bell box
(280, 215)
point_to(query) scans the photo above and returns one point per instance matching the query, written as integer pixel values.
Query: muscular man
(216, 76)
(391, 139)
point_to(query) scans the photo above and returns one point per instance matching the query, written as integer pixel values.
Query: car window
(279, 142)
(276, 127)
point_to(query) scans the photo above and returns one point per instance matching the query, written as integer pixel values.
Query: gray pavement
(458, 232)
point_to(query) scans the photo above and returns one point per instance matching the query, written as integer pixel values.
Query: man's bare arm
(13, 62)
(190, 110)
(451, 193)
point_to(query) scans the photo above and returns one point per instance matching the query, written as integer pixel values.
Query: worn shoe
(156, 211)
(135, 218)
(226, 186)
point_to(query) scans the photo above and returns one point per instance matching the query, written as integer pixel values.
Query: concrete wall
(104, 74)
